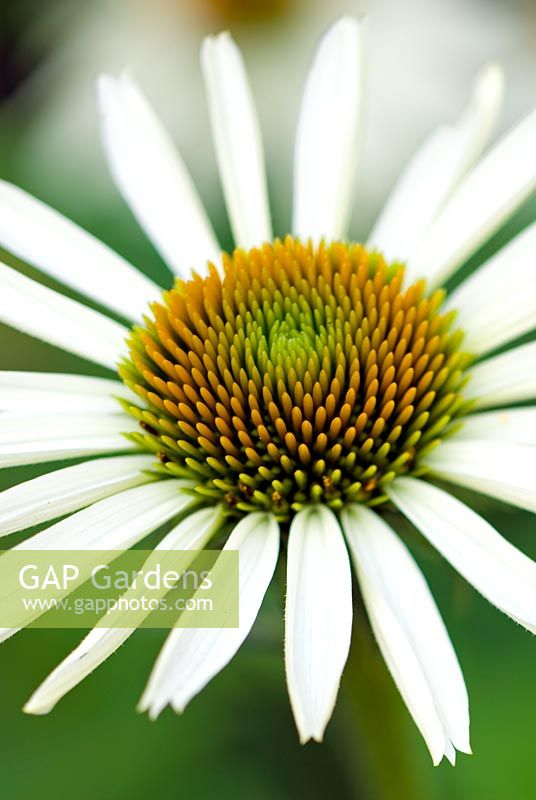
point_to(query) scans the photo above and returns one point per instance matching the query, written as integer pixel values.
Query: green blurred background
(237, 739)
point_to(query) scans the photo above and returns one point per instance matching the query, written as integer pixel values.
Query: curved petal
(191, 657)
(504, 471)
(327, 138)
(58, 320)
(489, 194)
(318, 617)
(152, 178)
(507, 378)
(497, 303)
(238, 142)
(504, 575)
(115, 523)
(406, 670)
(410, 631)
(49, 241)
(27, 438)
(65, 490)
(511, 425)
(192, 533)
(47, 392)
(436, 169)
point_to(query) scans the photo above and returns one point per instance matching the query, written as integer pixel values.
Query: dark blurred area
(21, 53)
(14, 64)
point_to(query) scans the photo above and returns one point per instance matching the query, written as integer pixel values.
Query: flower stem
(371, 724)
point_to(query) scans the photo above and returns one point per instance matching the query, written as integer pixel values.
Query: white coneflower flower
(305, 388)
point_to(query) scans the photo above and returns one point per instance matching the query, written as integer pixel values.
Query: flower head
(300, 389)
(296, 374)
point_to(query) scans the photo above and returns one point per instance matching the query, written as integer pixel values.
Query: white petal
(507, 378)
(498, 302)
(192, 533)
(28, 438)
(513, 425)
(436, 169)
(502, 470)
(327, 138)
(58, 320)
(405, 669)
(450, 753)
(489, 194)
(318, 617)
(115, 523)
(500, 572)
(49, 241)
(417, 196)
(58, 493)
(191, 657)
(152, 178)
(237, 139)
(409, 629)
(46, 392)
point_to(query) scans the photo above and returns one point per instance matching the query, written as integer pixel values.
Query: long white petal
(58, 320)
(192, 533)
(152, 177)
(512, 425)
(503, 470)
(27, 438)
(65, 490)
(318, 617)
(409, 628)
(498, 302)
(49, 241)
(500, 572)
(46, 392)
(436, 169)
(507, 378)
(191, 657)
(237, 139)
(406, 670)
(115, 523)
(327, 138)
(489, 194)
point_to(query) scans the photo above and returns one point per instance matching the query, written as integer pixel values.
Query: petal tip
(36, 709)
(490, 83)
(310, 733)
(179, 706)
(153, 712)
(347, 22)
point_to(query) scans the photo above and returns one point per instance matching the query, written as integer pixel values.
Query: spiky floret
(295, 374)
